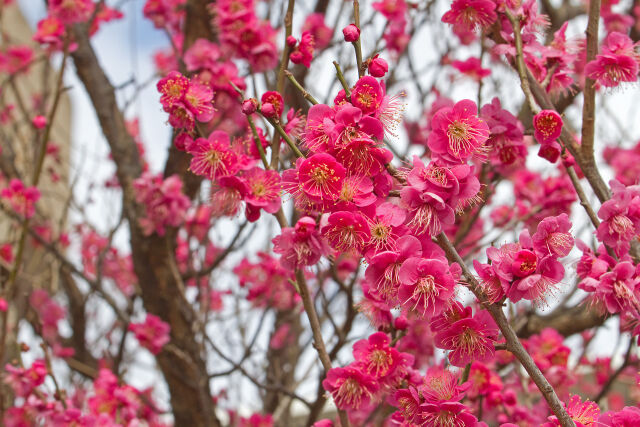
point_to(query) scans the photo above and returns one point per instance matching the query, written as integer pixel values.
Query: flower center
(259, 189)
(622, 291)
(213, 157)
(440, 388)
(507, 155)
(446, 419)
(351, 393)
(379, 362)
(469, 341)
(192, 100)
(461, 137)
(470, 14)
(380, 234)
(302, 251)
(389, 280)
(173, 88)
(547, 125)
(408, 407)
(365, 97)
(615, 73)
(320, 175)
(345, 237)
(559, 240)
(621, 224)
(436, 174)
(425, 291)
(425, 219)
(348, 192)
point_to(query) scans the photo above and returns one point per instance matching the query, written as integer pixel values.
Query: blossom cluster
(244, 34)
(164, 203)
(530, 268)
(109, 400)
(610, 275)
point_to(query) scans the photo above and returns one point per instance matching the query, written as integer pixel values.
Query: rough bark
(181, 362)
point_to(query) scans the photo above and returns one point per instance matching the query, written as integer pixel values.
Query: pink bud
(568, 160)
(378, 67)
(268, 110)
(401, 323)
(39, 122)
(296, 57)
(6, 252)
(275, 99)
(351, 33)
(249, 106)
(3, 305)
(291, 41)
(182, 141)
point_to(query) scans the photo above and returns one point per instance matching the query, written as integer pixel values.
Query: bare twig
(612, 379)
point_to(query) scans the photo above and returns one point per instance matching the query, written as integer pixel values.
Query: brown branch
(520, 64)
(584, 202)
(305, 94)
(318, 341)
(589, 92)
(567, 322)
(186, 376)
(284, 63)
(513, 342)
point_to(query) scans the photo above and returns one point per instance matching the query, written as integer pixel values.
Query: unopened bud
(351, 33)
(249, 106)
(378, 67)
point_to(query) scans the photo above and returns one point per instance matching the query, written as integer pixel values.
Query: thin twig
(284, 62)
(306, 95)
(356, 44)
(520, 65)
(343, 82)
(607, 386)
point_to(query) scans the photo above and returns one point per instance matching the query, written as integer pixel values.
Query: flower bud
(568, 160)
(291, 41)
(275, 99)
(249, 106)
(182, 141)
(39, 122)
(401, 323)
(378, 67)
(296, 57)
(268, 110)
(351, 33)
